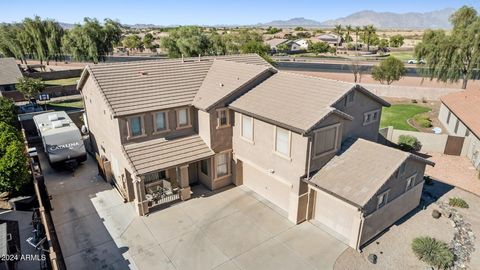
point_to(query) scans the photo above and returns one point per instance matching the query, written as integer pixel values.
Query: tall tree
(389, 70)
(29, 87)
(133, 42)
(357, 30)
(338, 30)
(369, 32)
(456, 56)
(187, 41)
(396, 41)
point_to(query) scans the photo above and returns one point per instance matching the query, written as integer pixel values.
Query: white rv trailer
(61, 138)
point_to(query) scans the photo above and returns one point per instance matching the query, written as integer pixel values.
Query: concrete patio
(231, 229)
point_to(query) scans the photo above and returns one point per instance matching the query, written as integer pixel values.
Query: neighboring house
(303, 43)
(9, 74)
(293, 46)
(331, 39)
(460, 115)
(305, 144)
(275, 42)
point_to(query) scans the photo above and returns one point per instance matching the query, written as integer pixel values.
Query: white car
(414, 61)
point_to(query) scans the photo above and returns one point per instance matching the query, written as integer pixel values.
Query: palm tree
(368, 32)
(348, 29)
(339, 31)
(357, 32)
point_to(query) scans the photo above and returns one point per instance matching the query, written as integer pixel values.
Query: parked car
(414, 61)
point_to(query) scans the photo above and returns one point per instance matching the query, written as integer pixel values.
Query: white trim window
(160, 122)
(382, 199)
(223, 118)
(410, 182)
(326, 140)
(183, 118)
(222, 167)
(282, 141)
(371, 117)
(401, 170)
(247, 128)
(136, 127)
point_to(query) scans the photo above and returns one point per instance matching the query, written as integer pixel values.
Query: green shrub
(409, 143)
(432, 251)
(13, 161)
(7, 111)
(458, 202)
(423, 120)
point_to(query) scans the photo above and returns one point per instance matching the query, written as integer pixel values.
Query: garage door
(337, 217)
(266, 186)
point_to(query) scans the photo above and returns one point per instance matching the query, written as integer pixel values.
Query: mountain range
(389, 20)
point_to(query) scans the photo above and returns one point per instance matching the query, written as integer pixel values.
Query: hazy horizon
(209, 12)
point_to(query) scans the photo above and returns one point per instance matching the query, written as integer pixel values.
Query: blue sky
(210, 12)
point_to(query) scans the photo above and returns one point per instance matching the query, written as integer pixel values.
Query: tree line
(45, 40)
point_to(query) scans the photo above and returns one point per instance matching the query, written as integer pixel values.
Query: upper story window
(247, 127)
(410, 182)
(223, 118)
(371, 117)
(326, 140)
(456, 126)
(161, 121)
(448, 117)
(135, 126)
(382, 199)
(350, 99)
(282, 141)
(183, 117)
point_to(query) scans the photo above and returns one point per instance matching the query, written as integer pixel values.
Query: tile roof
(222, 79)
(297, 101)
(360, 169)
(466, 106)
(160, 154)
(141, 86)
(275, 41)
(9, 71)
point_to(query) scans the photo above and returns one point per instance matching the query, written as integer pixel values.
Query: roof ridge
(315, 77)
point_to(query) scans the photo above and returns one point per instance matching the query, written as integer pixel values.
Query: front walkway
(454, 170)
(231, 229)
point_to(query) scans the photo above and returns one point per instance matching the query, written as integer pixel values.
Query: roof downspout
(360, 229)
(309, 157)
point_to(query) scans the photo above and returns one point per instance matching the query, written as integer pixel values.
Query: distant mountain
(66, 25)
(292, 23)
(411, 20)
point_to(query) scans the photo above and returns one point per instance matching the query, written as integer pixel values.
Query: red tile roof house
(306, 145)
(460, 115)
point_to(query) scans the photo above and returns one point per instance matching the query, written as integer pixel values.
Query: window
(326, 140)
(247, 127)
(222, 118)
(448, 117)
(183, 119)
(467, 132)
(350, 98)
(161, 122)
(410, 182)
(382, 200)
(221, 164)
(135, 126)
(401, 170)
(152, 177)
(456, 126)
(282, 141)
(371, 117)
(204, 166)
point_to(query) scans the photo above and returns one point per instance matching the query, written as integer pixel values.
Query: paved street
(231, 229)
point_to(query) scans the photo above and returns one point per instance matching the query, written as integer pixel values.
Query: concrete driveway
(231, 229)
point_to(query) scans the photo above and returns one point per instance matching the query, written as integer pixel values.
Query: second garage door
(266, 186)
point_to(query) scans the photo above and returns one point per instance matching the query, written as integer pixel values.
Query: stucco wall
(340, 218)
(204, 126)
(361, 105)
(397, 186)
(390, 213)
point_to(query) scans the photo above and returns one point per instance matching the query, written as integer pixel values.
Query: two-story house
(306, 145)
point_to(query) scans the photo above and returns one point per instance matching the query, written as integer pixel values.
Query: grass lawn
(398, 114)
(65, 105)
(67, 81)
(404, 56)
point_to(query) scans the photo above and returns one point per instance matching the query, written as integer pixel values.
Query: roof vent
(53, 117)
(57, 124)
(221, 84)
(143, 73)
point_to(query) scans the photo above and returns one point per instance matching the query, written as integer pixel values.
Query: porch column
(140, 199)
(184, 183)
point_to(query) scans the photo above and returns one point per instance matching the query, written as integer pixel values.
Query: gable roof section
(466, 106)
(222, 79)
(161, 154)
(9, 71)
(360, 169)
(294, 101)
(142, 86)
